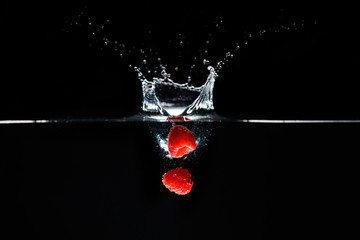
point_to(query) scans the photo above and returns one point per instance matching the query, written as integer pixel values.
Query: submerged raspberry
(178, 180)
(181, 141)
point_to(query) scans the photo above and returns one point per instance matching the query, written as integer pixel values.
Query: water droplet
(164, 74)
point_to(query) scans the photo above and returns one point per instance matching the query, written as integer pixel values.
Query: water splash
(203, 104)
(151, 103)
(164, 95)
(179, 98)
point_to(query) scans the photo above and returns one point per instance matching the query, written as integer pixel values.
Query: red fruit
(181, 141)
(178, 180)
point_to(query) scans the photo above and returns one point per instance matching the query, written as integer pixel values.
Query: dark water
(252, 181)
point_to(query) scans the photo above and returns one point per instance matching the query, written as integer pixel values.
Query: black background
(309, 73)
(102, 181)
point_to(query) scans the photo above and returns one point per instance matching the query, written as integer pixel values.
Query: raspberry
(181, 141)
(178, 180)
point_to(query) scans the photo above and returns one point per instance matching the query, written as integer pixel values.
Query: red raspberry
(181, 141)
(178, 180)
